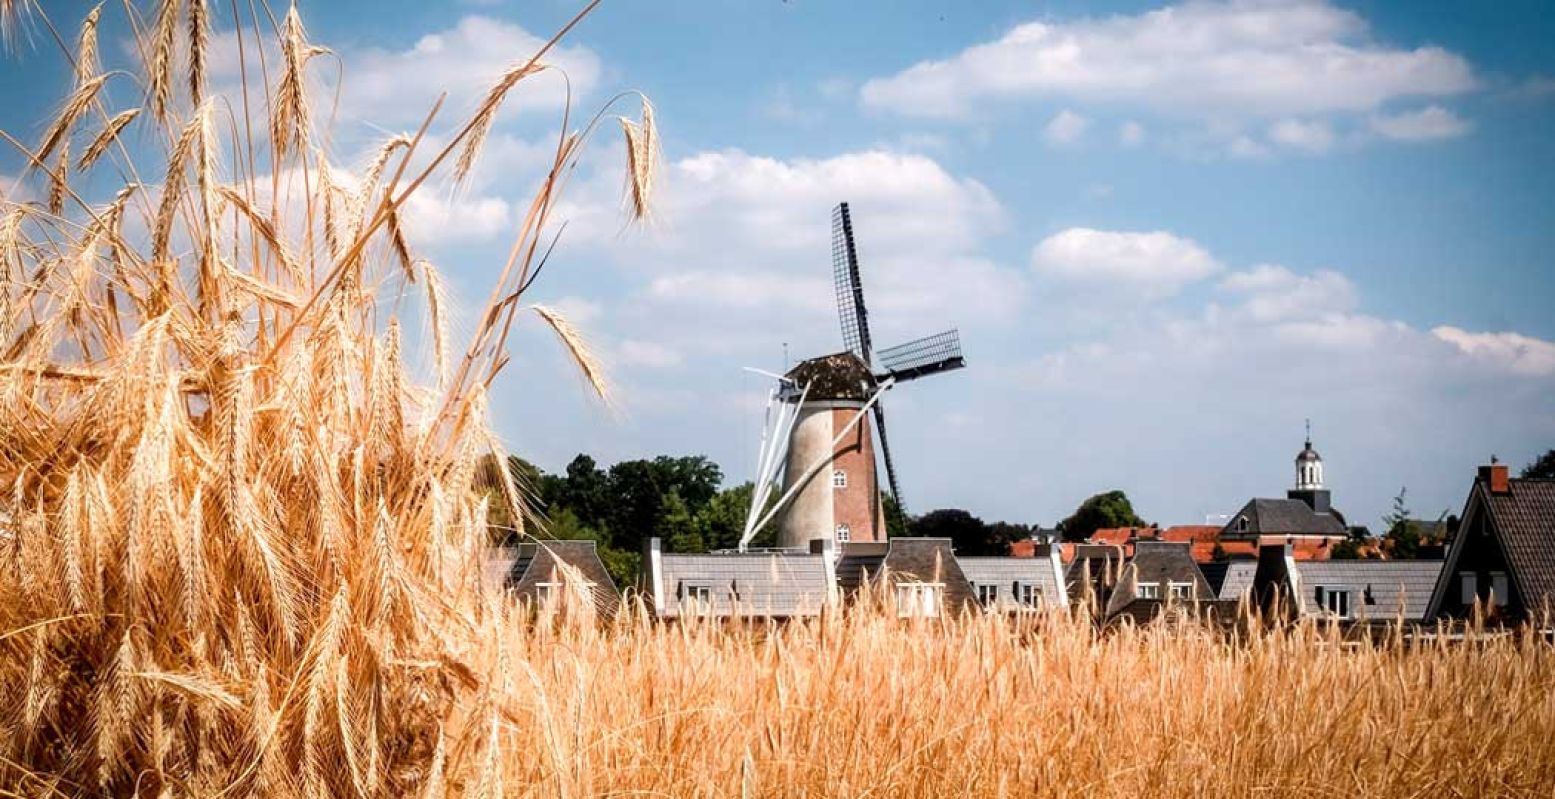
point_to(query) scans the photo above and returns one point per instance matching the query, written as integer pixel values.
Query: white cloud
(1273, 293)
(1313, 136)
(1131, 134)
(464, 61)
(1153, 264)
(740, 258)
(647, 354)
(1511, 351)
(1246, 147)
(1197, 58)
(1431, 122)
(398, 87)
(1066, 127)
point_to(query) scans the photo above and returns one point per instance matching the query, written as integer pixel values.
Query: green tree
(1110, 509)
(1543, 467)
(1402, 539)
(722, 520)
(896, 522)
(677, 527)
(968, 534)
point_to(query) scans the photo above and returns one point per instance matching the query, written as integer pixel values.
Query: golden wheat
(240, 548)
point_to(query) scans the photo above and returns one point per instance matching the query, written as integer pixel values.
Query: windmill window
(839, 479)
(844, 533)
(1148, 591)
(919, 600)
(987, 595)
(1180, 591)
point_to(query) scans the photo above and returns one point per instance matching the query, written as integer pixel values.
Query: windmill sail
(849, 287)
(922, 357)
(890, 467)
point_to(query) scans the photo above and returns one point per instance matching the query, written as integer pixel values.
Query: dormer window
(1241, 524)
(839, 479)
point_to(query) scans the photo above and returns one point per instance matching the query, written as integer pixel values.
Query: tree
(1543, 467)
(677, 528)
(1111, 509)
(967, 533)
(895, 520)
(1402, 539)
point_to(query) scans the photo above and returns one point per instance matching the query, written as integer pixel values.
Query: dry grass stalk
(231, 526)
(105, 138)
(572, 339)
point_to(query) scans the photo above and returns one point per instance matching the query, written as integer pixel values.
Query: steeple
(1309, 466)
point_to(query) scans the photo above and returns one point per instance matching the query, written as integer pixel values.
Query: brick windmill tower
(818, 435)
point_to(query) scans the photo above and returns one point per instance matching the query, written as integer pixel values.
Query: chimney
(1495, 477)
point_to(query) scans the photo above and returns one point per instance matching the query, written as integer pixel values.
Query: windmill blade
(922, 357)
(890, 467)
(849, 288)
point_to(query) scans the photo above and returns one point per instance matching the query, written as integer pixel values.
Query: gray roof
(929, 560)
(1239, 578)
(543, 561)
(858, 563)
(1524, 519)
(755, 584)
(1004, 573)
(1282, 517)
(1382, 588)
(1385, 590)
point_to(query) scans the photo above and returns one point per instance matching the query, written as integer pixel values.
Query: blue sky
(1168, 233)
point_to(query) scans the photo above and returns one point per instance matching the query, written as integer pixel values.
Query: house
(1370, 591)
(1161, 575)
(1017, 584)
(1305, 518)
(777, 584)
(1093, 572)
(922, 576)
(919, 577)
(1503, 557)
(552, 573)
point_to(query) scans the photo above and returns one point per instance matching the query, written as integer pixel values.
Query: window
(1498, 589)
(987, 595)
(1468, 587)
(839, 479)
(698, 599)
(1149, 591)
(844, 534)
(1335, 601)
(1028, 594)
(1180, 591)
(919, 600)
(1241, 524)
(546, 594)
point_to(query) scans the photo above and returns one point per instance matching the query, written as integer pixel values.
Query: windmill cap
(839, 376)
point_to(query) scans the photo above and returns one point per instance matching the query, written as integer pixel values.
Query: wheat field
(241, 543)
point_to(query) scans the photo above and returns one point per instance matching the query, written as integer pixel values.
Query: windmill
(816, 433)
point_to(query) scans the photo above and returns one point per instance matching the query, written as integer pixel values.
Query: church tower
(1309, 477)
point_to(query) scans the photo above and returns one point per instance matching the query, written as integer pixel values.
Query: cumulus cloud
(1066, 127)
(1511, 351)
(384, 87)
(1431, 122)
(1205, 58)
(1313, 136)
(1152, 263)
(1273, 293)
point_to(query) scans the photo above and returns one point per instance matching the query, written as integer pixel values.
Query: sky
(1168, 233)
